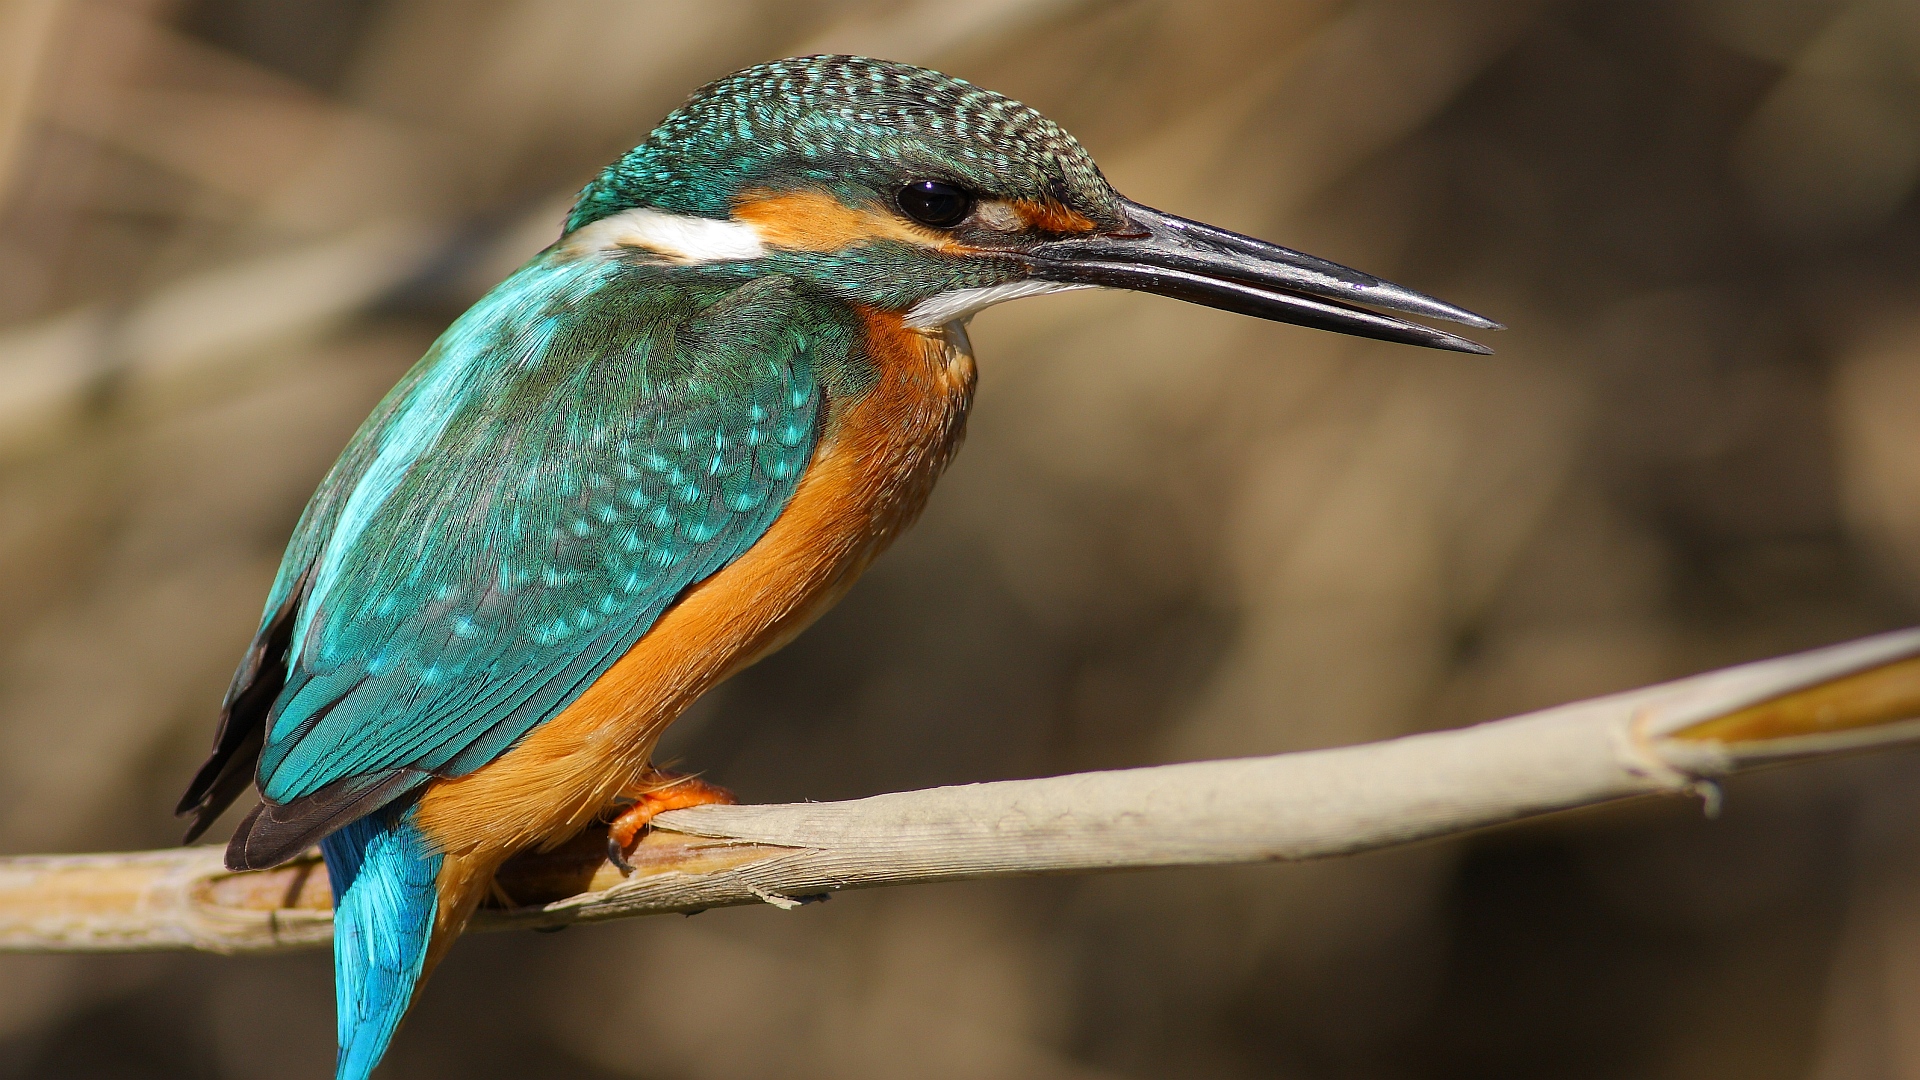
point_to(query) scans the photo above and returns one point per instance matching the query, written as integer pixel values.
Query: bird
(653, 455)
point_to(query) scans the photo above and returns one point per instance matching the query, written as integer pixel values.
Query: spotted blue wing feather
(575, 452)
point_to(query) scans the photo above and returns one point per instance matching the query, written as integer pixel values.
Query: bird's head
(904, 189)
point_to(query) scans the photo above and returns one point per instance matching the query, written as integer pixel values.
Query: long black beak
(1190, 261)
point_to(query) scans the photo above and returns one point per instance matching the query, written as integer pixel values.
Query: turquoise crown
(851, 125)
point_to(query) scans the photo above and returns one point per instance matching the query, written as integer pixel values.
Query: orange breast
(876, 462)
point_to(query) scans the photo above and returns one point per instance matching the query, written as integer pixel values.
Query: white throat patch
(676, 237)
(961, 304)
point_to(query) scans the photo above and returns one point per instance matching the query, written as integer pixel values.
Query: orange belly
(876, 462)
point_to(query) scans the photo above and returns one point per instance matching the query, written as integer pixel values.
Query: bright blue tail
(383, 907)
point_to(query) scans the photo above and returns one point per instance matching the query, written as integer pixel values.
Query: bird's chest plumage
(879, 454)
(888, 446)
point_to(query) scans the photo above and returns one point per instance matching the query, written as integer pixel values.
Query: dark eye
(931, 202)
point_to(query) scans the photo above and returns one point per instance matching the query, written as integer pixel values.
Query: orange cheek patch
(1051, 216)
(816, 221)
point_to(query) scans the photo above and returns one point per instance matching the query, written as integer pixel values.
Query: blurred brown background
(227, 225)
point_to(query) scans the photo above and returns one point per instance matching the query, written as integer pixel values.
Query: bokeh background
(226, 226)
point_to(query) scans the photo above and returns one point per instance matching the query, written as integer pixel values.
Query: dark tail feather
(384, 906)
(243, 719)
(231, 771)
(275, 832)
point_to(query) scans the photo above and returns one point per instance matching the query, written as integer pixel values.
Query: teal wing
(576, 452)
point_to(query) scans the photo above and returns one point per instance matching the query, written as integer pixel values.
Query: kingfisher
(653, 455)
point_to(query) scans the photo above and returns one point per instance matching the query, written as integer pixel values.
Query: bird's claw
(617, 855)
(656, 793)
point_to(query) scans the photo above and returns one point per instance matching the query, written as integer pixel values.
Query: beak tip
(1440, 339)
(1440, 309)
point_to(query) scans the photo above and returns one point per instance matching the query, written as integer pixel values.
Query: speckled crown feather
(844, 122)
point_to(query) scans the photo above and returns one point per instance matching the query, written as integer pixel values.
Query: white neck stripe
(679, 237)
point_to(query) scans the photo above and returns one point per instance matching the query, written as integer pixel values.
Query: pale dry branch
(1674, 738)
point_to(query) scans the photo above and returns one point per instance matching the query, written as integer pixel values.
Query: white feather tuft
(678, 237)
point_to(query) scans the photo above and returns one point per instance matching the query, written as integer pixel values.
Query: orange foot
(657, 792)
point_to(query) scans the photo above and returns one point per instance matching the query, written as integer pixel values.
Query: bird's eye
(931, 202)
